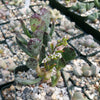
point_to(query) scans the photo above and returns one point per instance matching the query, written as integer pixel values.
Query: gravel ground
(85, 44)
(82, 80)
(94, 25)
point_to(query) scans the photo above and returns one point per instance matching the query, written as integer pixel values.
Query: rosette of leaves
(82, 7)
(94, 17)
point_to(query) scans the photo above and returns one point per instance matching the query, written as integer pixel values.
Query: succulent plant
(38, 34)
(82, 7)
(27, 82)
(16, 2)
(55, 78)
(52, 45)
(34, 46)
(45, 15)
(89, 6)
(68, 54)
(58, 57)
(97, 3)
(88, 41)
(94, 17)
(85, 70)
(37, 23)
(55, 14)
(31, 63)
(57, 54)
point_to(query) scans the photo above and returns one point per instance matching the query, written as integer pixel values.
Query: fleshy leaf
(21, 39)
(42, 54)
(38, 34)
(27, 82)
(23, 47)
(68, 54)
(31, 63)
(52, 29)
(97, 3)
(61, 64)
(37, 23)
(25, 29)
(46, 38)
(34, 46)
(89, 6)
(82, 10)
(45, 15)
(93, 17)
(55, 78)
(75, 8)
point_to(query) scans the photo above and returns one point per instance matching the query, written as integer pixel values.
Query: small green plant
(82, 7)
(97, 3)
(15, 2)
(56, 56)
(94, 17)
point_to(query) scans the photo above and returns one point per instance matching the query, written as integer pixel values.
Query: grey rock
(86, 71)
(77, 71)
(3, 63)
(18, 94)
(25, 90)
(49, 93)
(94, 70)
(11, 64)
(5, 73)
(66, 75)
(48, 98)
(78, 96)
